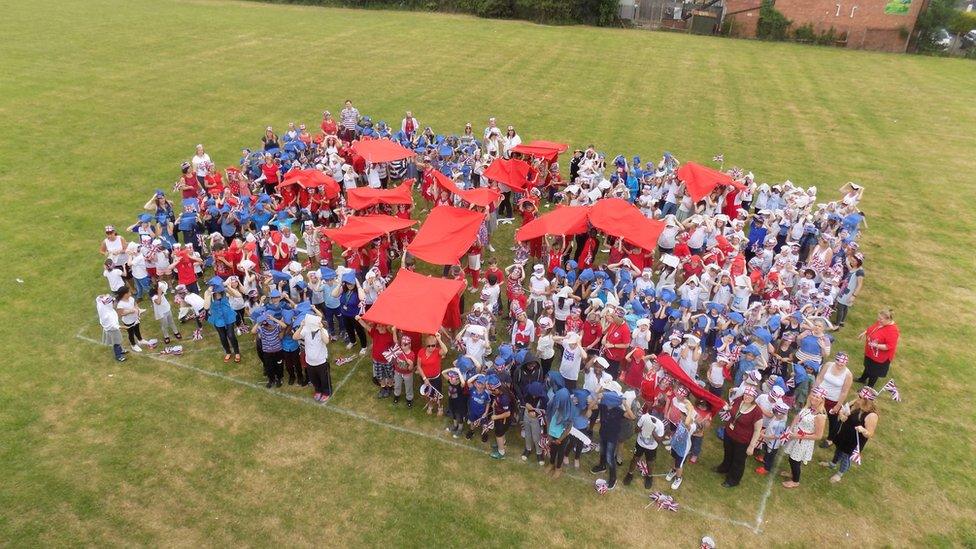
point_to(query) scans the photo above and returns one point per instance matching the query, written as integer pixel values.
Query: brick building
(883, 25)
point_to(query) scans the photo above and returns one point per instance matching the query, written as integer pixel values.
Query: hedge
(589, 12)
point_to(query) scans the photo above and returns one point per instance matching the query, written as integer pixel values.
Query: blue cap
(737, 317)
(558, 271)
(763, 335)
(684, 303)
(279, 276)
(600, 274)
(493, 381)
(587, 275)
(649, 292)
(287, 315)
(274, 293)
(349, 277)
(212, 210)
(301, 284)
(466, 365)
(159, 192)
(215, 281)
(667, 294)
(627, 288)
(499, 361)
(571, 264)
(713, 306)
(751, 348)
(675, 313)
(505, 351)
(145, 218)
(327, 273)
(190, 203)
(813, 365)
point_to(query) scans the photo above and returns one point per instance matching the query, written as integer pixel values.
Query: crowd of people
(569, 348)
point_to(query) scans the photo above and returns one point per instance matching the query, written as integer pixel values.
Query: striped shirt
(270, 338)
(349, 118)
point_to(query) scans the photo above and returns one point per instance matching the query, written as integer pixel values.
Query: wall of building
(866, 23)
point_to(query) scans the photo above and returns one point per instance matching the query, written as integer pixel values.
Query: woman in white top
(316, 340)
(808, 427)
(129, 317)
(113, 248)
(569, 364)
(201, 163)
(510, 141)
(545, 344)
(836, 380)
(163, 312)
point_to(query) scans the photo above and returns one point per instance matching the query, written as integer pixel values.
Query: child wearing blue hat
(270, 332)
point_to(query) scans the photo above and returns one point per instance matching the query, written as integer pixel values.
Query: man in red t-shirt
(185, 273)
(592, 331)
(616, 341)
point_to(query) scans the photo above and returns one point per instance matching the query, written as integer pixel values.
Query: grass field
(101, 101)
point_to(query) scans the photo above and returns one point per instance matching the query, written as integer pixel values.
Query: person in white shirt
(569, 364)
(316, 340)
(129, 315)
(108, 317)
(650, 433)
(163, 312)
(596, 374)
(545, 343)
(201, 163)
(510, 141)
(538, 290)
(114, 275)
(138, 269)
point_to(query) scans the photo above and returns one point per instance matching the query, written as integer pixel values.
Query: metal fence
(655, 13)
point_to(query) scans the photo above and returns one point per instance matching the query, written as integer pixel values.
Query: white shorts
(474, 262)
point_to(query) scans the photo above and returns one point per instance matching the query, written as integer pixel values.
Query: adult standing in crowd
(880, 344)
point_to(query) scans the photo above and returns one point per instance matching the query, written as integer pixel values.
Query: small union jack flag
(664, 502)
(725, 415)
(718, 158)
(642, 467)
(545, 445)
(791, 383)
(893, 389)
(393, 353)
(856, 456)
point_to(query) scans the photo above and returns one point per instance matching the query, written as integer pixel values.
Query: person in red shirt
(742, 431)
(188, 184)
(184, 266)
(492, 268)
(880, 344)
(616, 341)
(280, 252)
(269, 174)
(588, 250)
(223, 265)
(591, 331)
(382, 340)
(529, 213)
(329, 126)
(429, 360)
(404, 365)
(474, 265)
(325, 247)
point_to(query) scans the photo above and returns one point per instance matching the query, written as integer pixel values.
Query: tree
(938, 15)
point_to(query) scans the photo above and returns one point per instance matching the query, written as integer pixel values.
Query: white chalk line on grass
(401, 429)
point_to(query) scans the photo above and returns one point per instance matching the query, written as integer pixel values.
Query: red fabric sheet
(548, 150)
(446, 235)
(714, 402)
(360, 230)
(701, 180)
(512, 173)
(414, 302)
(564, 220)
(311, 179)
(381, 150)
(622, 219)
(364, 197)
(479, 197)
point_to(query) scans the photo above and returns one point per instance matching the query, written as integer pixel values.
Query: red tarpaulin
(701, 180)
(478, 197)
(414, 302)
(548, 150)
(363, 197)
(564, 220)
(675, 371)
(446, 235)
(512, 173)
(622, 219)
(311, 179)
(381, 150)
(361, 230)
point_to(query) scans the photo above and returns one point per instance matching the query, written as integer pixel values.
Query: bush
(495, 8)
(805, 33)
(962, 22)
(772, 25)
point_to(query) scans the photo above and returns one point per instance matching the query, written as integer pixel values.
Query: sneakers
(269, 384)
(612, 485)
(120, 358)
(670, 475)
(396, 400)
(693, 459)
(761, 471)
(676, 484)
(348, 345)
(278, 382)
(628, 479)
(178, 335)
(648, 482)
(137, 348)
(525, 455)
(410, 404)
(835, 478)
(496, 455)
(317, 397)
(827, 464)
(362, 352)
(598, 468)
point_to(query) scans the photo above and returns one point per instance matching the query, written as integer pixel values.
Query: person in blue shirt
(222, 316)
(289, 349)
(757, 236)
(350, 295)
(478, 400)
